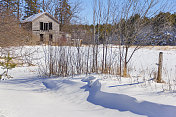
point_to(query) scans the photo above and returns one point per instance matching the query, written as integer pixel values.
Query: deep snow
(94, 95)
(63, 97)
(30, 96)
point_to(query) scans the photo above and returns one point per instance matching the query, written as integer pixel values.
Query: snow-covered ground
(94, 95)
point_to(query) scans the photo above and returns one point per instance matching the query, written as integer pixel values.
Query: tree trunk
(125, 63)
(125, 69)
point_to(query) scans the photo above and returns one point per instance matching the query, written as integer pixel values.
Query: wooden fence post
(159, 77)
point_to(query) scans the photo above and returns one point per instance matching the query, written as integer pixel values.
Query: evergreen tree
(31, 7)
(173, 19)
(7, 65)
(63, 13)
(161, 21)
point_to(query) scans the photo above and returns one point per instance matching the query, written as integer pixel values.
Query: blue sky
(87, 8)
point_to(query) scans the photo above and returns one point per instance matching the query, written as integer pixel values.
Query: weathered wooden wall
(46, 19)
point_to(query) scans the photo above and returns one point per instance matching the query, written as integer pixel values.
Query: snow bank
(51, 85)
(55, 84)
(125, 103)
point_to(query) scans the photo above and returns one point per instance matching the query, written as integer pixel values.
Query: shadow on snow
(126, 103)
(131, 83)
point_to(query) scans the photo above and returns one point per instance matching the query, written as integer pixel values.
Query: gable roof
(36, 16)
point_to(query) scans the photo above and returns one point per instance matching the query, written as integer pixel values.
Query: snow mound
(87, 79)
(90, 80)
(56, 84)
(123, 102)
(49, 84)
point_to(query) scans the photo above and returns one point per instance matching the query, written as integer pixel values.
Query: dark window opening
(41, 25)
(50, 26)
(45, 26)
(50, 37)
(41, 38)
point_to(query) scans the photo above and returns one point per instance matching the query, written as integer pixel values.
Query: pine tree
(63, 13)
(7, 65)
(31, 7)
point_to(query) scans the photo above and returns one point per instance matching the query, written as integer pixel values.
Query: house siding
(46, 19)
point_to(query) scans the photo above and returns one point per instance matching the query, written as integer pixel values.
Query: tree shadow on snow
(126, 103)
(131, 83)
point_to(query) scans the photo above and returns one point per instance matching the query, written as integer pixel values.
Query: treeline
(161, 28)
(126, 26)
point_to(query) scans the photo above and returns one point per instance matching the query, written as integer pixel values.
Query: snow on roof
(32, 17)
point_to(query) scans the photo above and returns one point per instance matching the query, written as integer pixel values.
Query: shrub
(7, 65)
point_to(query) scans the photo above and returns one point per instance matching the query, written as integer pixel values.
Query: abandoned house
(44, 27)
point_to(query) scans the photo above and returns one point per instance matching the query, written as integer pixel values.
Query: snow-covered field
(94, 95)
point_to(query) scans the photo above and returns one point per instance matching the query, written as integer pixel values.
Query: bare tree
(131, 25)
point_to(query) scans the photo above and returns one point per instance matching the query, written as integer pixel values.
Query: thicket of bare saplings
(125, 23)
(128, 25)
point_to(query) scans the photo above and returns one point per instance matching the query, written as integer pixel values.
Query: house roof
(36, 16)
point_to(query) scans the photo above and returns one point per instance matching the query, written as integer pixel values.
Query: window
(45, 26)
(50, 26)
(41, 38)
(50, 37)
(41, 25)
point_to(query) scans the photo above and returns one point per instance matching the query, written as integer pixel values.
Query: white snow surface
(93, 95)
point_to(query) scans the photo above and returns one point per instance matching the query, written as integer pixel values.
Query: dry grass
(161, 47)
(146, 47)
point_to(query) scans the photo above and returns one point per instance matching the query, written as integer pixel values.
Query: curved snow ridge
(90, 80)
(123, 102)
(56, 84)
(53, 85)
